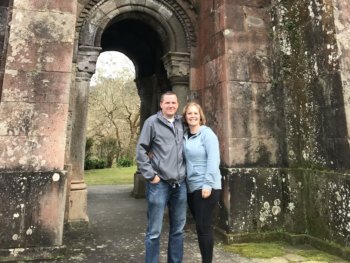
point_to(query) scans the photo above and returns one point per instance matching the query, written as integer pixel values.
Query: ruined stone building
(272, 75)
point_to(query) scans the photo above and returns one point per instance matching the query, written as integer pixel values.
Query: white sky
(110, 64)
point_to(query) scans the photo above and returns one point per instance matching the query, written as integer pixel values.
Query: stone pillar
(177, 66)
(342, 22)
(148, 91)
(77, 204)
(33, 119)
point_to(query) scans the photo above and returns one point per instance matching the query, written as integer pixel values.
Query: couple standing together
(162, 151)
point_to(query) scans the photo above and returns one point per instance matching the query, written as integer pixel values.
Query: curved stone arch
(96, 16)
(157, 22)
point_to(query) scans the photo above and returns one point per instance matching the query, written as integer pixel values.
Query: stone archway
(157, 36)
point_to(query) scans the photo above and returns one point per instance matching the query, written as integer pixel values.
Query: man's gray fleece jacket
(166, 145)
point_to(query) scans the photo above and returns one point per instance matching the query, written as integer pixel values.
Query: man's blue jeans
(158, 197)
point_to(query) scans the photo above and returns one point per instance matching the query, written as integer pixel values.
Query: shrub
(125, 162)
(94, 163)
(89, 147)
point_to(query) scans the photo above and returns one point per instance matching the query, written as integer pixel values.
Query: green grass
(108, 176)
(316, 255)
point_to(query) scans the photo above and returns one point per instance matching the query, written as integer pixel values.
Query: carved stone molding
(86, 60)
(177, 66)
(86, 23)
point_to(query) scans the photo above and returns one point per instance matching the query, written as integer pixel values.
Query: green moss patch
(256, 250)
(279, 249)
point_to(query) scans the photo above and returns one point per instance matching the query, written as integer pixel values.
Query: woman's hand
(206, 193)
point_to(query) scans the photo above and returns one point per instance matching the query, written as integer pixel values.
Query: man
(160, 160)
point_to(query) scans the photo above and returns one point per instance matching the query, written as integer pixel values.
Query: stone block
(256, 19)
(338, 151)
(214, 115)
(259, 200)
(216, 50)
(32, 153)
(51, 40)
(254, 3)
(248, 56)
(334, 123)
(32, 135)
(45, 56)
(27, 119)
(36, 27)
(121, 3)
(36, 86)
(157, 7)
(214, 72)
(250, 123)
(108, 6)
(32, 208)
(113, 13)
(67, 6)
(30, 4)
(88, 39)
(252, 110)
(327, 205)
(97, 16)
(253, 152)
(231, 17)
(291, 200)
(77, 206)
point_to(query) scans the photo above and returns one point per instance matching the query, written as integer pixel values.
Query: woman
(201, 149)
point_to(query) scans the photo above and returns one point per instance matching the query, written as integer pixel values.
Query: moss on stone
(279, 249)
(256, 250)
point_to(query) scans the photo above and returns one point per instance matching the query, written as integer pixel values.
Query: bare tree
(114, 113)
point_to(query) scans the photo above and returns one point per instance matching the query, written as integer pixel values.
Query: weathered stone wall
(298, 201)
(273, 81)
(34, 102)
(5, 14)
(341, 14)
(235, 72)
(308, 71)
(33, 118)
(32, 209)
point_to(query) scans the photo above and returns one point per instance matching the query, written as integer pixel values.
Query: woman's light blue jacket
(202, 160)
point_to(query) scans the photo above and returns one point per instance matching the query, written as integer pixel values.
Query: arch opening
(113, 114)
(156, 43)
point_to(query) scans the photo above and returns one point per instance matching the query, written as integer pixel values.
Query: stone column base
(78, 203)
(139, 190)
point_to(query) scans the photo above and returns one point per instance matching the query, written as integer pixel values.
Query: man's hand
(206, 193)
(155, 180)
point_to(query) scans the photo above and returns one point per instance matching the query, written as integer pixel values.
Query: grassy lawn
(119, 175)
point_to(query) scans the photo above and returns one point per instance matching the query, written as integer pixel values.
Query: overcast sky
(110, 64)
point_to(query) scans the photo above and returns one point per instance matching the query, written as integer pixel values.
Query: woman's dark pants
(202, 212)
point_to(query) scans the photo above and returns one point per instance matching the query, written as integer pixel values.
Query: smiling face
(169, 106)
(193, 117)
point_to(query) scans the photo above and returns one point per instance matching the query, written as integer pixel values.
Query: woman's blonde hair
(202, 119)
